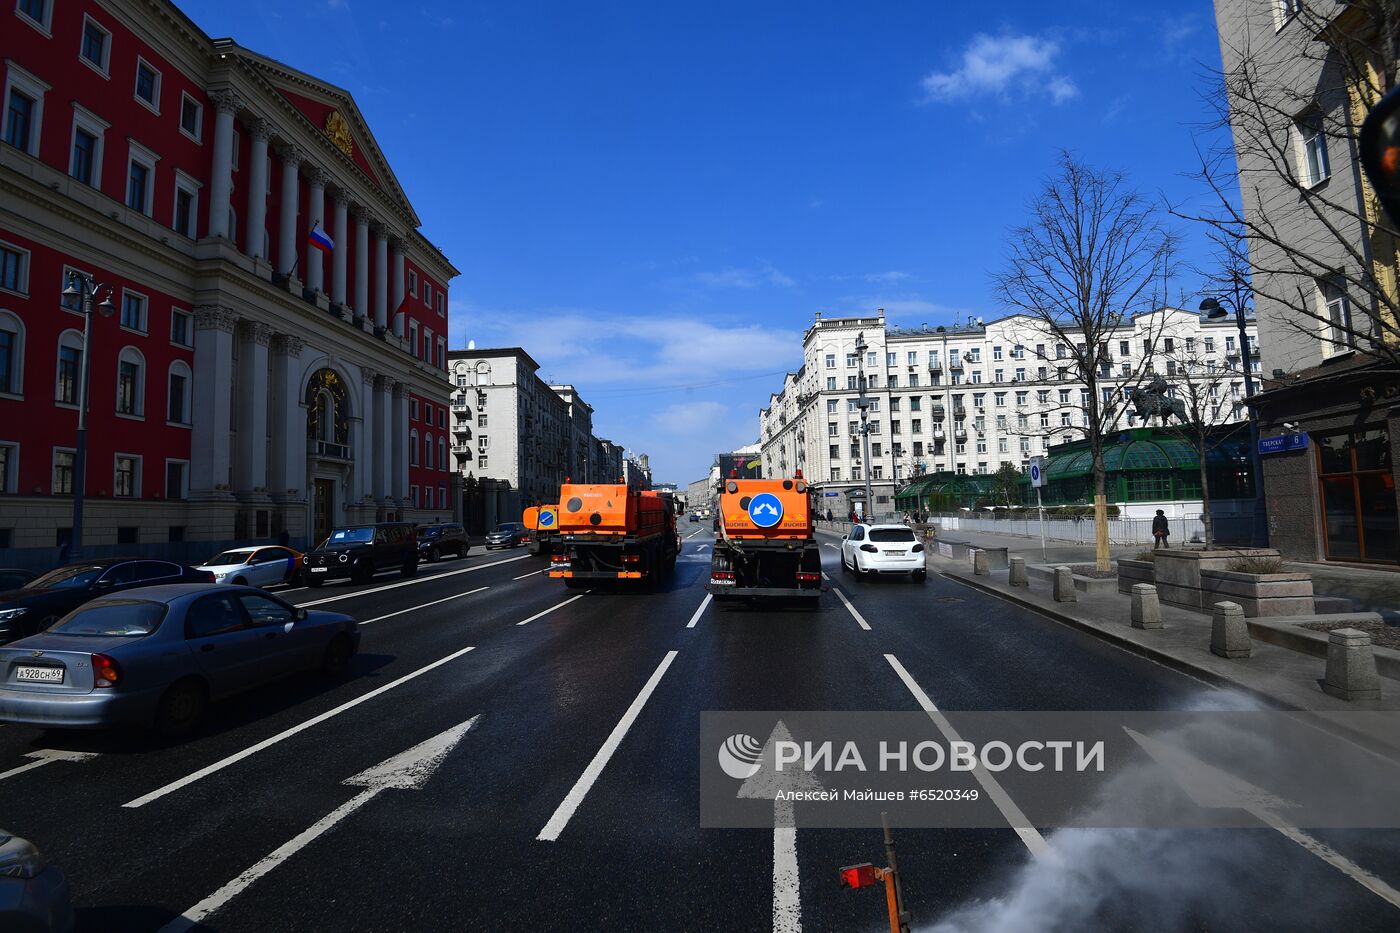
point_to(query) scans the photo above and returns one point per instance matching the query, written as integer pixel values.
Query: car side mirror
(844, 537)
(300, 615)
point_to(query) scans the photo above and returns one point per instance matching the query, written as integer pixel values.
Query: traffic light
(1380, 152)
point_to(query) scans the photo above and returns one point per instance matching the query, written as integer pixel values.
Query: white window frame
(17, 328)
(191, 186)
(1307, 128)
(413, 447)
(139, 154)
(53, 469)
(184, 490)
(189, 329)
(11, 484)
(104, 68)
(17, 78)
(198, 134)
(125, 355)
(45, 27)
(84, 119)
(145, 312)
(152, 105)
(427, 293)
(413, 282)
(24, 269)
(135, 475)
(1284, 11)
(180, 367)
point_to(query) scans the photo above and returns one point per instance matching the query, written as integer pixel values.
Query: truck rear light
(722, 577)
(105, 672)
(559, 558)
(870, 549)
(808, 577)
(631, 558)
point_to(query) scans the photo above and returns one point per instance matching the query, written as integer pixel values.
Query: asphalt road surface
(521, 756)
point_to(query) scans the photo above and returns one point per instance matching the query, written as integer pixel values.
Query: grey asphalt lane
(464, 851)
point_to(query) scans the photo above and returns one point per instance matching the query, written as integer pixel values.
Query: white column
(288, 426)
(250, 460)
(226, 104)
(257, 191)
(362, 262)
(342, 248)
(400, 442)
(365, 452)
(315, 214)
(292, 157)
(381, 278)
(383, 450)
(396, 293)
(213, 379)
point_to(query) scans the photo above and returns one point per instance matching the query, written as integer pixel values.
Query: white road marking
(700, 547)
(392, 586)
(787, 903)
(824, 576)
(860, 619)
(532, 573)
(425, 605)
(45, 756)
(408, 770)
(552, 608)
(1331, 856)
(828, 544)
(288, 733)
(704, 604)
(1032, 838)
(571, 801)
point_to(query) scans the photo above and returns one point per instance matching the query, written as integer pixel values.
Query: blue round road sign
(546, 519)
(765, 510)
(1035, 472)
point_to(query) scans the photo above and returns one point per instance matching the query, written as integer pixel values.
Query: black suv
(437, 540)
(361, 551)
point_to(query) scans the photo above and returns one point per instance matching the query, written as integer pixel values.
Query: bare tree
(1322, 253)
(1093, 253)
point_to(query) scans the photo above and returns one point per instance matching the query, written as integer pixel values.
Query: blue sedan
(156, 656)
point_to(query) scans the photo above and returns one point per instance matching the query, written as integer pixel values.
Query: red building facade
(247, 383)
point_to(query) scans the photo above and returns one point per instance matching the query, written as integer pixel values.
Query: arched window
(11, 354)
(178, 387)
(328, 404)
(70, 367)
(442, 453)
(483, 373)
(131, 383)
(325, 416)
(413, 446)
(428, 451)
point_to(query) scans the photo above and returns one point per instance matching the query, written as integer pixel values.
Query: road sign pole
(1040, 509)
(1038, 480)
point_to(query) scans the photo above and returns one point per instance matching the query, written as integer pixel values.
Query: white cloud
(997, 66)
(745, 278)
(886, 278)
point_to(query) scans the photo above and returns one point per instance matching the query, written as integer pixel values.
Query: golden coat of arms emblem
(339, 132)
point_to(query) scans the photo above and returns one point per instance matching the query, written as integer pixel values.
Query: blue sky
(654, 198)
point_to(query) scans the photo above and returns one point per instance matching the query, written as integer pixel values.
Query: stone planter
(1177, 574)
(1261, 594)
(1135, 571)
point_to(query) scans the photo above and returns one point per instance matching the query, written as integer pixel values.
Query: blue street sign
(831, 494)
(765, 510)
(546, 519)
(1283, 443)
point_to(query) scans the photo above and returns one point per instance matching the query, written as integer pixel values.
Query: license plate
(318, 569)
(39, 675)
(895, 553)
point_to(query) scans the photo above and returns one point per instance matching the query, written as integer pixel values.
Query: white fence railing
(1122, 531)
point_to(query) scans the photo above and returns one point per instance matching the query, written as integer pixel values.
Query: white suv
(883, 549)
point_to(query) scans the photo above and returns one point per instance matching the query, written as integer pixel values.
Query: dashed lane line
(571, 801)
(1032, 838)
(393, 586)
(539, 615)
(860, 619)
(288, 733)
(425, 605)
(532, 573)
(704, 604)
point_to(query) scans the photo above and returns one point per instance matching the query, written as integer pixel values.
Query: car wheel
(434, 556)
(180, 708)
(335, 660)
(920, 576)
(844, 567)
(240, 582)
(462, 551)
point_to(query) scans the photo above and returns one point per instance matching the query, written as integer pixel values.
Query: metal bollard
(1351, 666)
(1146, 610)
(1229, 633)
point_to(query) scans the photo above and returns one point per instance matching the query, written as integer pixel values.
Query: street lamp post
(86, 291)
(1214, 310)
(863, 403)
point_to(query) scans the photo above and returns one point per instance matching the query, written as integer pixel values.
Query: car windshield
(506, 528)
(891, 534)
(65, 577)
(229, 557)
(350, 535)
(125, 617)
(432, 531)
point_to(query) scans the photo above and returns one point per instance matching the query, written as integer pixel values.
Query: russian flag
(320, 239)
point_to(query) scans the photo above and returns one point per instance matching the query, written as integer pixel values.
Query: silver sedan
(156, 656)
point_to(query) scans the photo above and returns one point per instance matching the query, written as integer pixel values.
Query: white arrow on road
(408, 770)
(46, 756)
(765, 785)
(1213, 788)
(701, 547)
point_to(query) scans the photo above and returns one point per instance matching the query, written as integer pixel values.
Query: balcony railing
(463, 449)
(328, 449)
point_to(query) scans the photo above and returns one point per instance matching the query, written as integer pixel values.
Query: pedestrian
(1160, 530)
(828, 515)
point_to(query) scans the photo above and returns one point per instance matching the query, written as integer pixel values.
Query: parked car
(445, 538)
(255, 566)
(507, 534)
(361, 551)
(34, 896)
(876, 549)
(12, 578)
(46, 599)
(156, 656)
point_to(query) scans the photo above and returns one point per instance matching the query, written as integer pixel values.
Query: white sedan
(255, 566)
(876, 549)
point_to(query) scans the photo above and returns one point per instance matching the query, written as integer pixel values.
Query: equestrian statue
(1154, 400)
